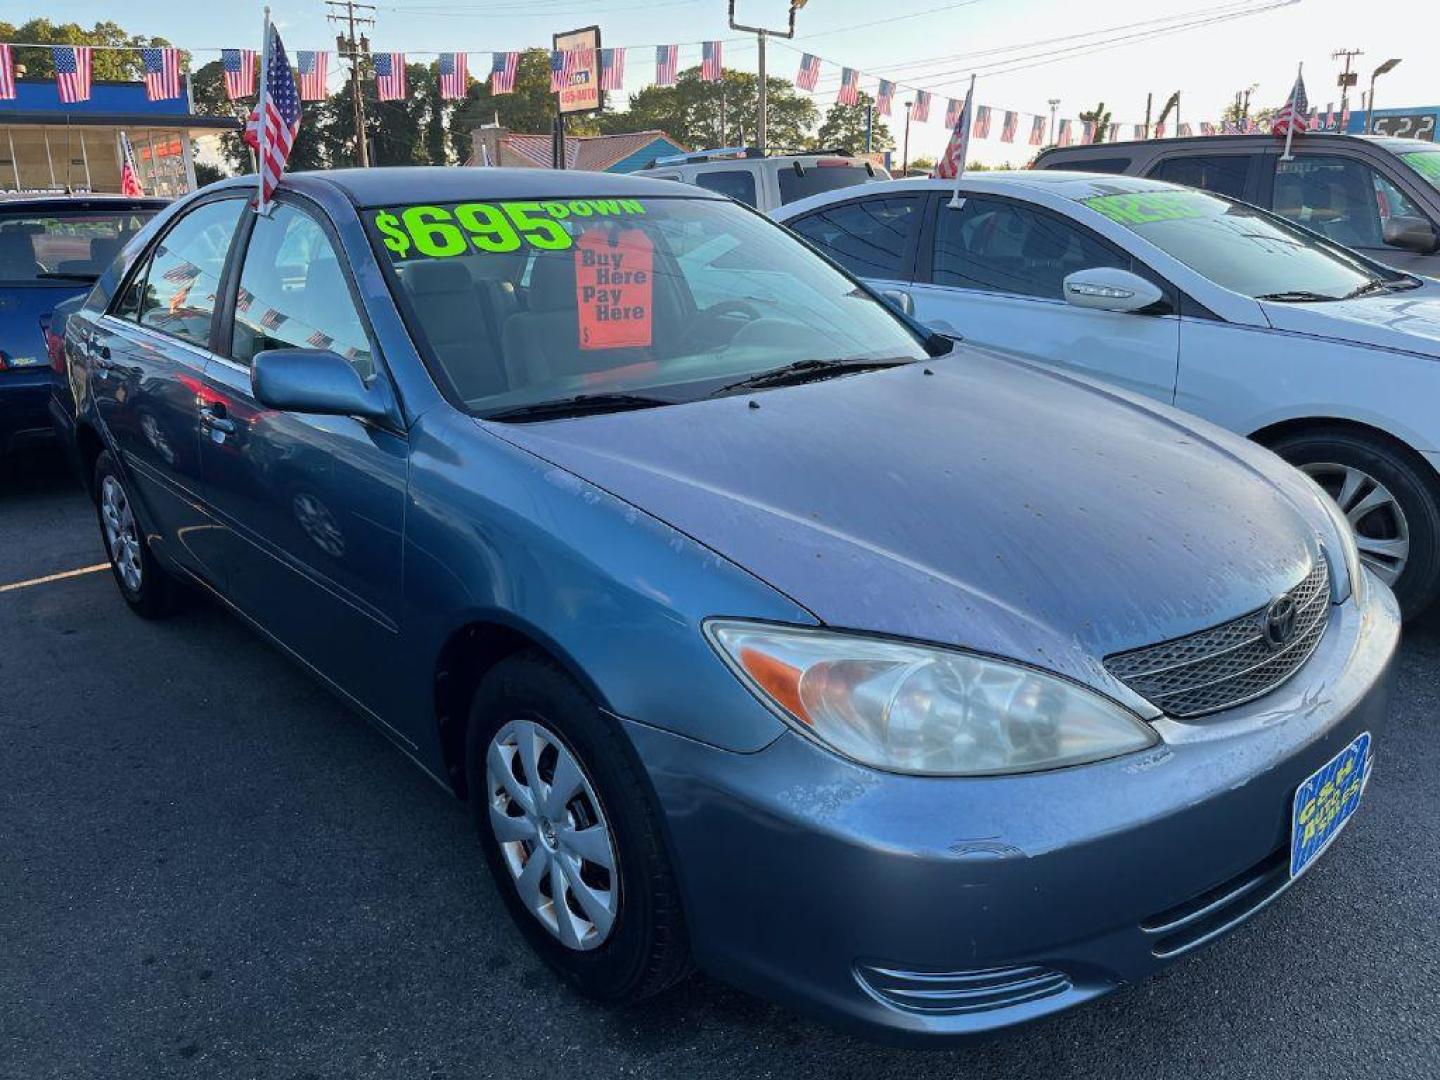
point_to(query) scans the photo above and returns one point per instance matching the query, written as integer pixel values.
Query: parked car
(758, 631)
(51, 249)
(1378, 195)
(1196, 300)
(766, 181)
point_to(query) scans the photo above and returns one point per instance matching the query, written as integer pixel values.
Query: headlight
(929, 711)
(1345, 537)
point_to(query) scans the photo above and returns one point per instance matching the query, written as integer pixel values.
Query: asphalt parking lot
(209, 868)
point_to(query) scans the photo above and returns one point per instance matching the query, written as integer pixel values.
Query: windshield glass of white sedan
(1236, 246)
(522, 302)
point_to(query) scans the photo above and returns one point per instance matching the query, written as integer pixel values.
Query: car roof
(462, 183)
(1188, 142)
(1062, 183)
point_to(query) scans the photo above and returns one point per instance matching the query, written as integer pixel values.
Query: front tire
(570, 833)
(1393, 506)
(146, 587)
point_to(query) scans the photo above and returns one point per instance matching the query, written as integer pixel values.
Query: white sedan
(1328, 358)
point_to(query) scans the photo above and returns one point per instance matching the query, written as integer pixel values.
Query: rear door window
(869, 237)
(1224, 174)
(738, 184)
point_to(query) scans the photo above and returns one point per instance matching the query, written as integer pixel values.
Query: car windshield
(1239, 247)
(55, 245)
(822, 176)
(674, 298)
(1427, 164)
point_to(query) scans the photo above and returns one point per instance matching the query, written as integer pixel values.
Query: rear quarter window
(819, 178)
(1112, 165)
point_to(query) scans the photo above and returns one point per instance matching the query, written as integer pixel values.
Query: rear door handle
(213, 418)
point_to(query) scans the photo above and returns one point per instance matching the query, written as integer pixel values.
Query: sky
(1024, 52)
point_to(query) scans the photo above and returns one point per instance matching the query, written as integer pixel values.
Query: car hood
(990, 505)
(1407, 320)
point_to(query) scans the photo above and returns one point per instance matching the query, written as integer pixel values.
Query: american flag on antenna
(612, 69)
(809, 72)
(72, 72)
(952, 112)
(712, 69)
(952, 161)
(921, 112)
(390, 76)
(160, 72)
(1037, 131)
(884, 97)
(1009, 126)
(239, 65)
(981, 130)
(7, 73)
(667, 63)
(312, 74)
(129, 174)
(1292, 115)
(276, 116)
(502, 72)
(454, 75)
(849, 93)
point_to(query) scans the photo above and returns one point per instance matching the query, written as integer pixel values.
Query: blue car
(909, 683)
(51, 251)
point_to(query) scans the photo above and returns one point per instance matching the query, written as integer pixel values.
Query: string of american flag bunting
(162, 75)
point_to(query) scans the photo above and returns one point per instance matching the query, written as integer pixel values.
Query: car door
(875, 238)
(146, 358)
(1351, 201)
(992, 274)
(312, 507)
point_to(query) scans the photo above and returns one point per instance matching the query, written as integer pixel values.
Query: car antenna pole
(1294, 107)
(260, 125)
(962, 144)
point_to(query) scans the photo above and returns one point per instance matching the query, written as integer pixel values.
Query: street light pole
(1054, 101)
(762, 119)
(1388, 65)
(905, 153)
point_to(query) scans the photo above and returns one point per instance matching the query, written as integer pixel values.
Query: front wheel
(570, 833)
(1390, 502)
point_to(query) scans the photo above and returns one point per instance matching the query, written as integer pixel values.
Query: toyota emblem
(1279, 622)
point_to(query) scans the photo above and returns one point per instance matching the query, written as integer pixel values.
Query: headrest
(438, 276)
(552, 282)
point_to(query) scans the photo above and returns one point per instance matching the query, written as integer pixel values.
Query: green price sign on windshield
(1142, 208)
(1426, 163)
(440, 232)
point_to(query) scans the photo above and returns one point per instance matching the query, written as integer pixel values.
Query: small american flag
(1292, 115)
(182, 273)
(1184, 131)
(1064, 138)
(129, 174)
(319, 340)
(1207, 128)
(1114, 135)
(921, 112)
(272, 319)
(849, 93)
(243, 298)
(1160, 129)
(454, 76)
(1037, 131)
(1138, 132)
(1087, 132)
(952, 162)
(279, 106)
(1329, 115)
(884, 96)
(502, 72)
(160, 71)
(667, 62)
(1009, 126)
(563, 65)
(952, 112)
(312, 74)
(1344, 123)
(390, 76)
(981, 130)
(7, 73)
(711, 67)
(72, 72)
(809, 72)
(239, 65)
(612, 69)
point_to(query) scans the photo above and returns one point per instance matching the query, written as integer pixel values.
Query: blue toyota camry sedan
(909, 683)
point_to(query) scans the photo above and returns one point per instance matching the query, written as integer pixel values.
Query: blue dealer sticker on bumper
(1325, 801)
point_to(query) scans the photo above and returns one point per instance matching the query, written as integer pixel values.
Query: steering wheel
(740, 307)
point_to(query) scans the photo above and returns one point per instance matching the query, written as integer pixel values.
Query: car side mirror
(317, 381)
(1410, 233)
(1106, 288)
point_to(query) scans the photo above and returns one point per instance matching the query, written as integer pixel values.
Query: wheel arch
(1274, 433)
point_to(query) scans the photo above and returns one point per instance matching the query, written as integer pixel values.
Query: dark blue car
(903, 681)
(51, 251)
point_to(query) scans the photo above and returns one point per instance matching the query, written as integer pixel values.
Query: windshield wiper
(1297, 296)
(802, 371)
(577, 405)
(69, 275)
(1379, 285)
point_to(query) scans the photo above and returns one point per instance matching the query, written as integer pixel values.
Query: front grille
(1228, 664)
(953, 993)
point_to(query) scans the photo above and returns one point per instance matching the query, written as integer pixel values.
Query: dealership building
(47, 145)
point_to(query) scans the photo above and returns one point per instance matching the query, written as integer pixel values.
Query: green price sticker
(1146, 207)
(1426, 163)
(440, 232)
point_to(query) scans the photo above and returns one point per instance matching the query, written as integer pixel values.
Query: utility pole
(1054, 101)
(762, 119)
(1347, 79)
(356, 50)
(1149, 104)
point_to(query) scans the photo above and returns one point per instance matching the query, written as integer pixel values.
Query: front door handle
(213, 418)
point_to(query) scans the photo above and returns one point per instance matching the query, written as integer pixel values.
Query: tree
(1100, 117)
(924, 164)
(530, 109)
(105, 63)
(691, 111)
(207, 86)
(844, 127)
(396, 130)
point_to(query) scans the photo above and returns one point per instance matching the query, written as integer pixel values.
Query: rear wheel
(1391, 504)
(146, 587)
(570, 834)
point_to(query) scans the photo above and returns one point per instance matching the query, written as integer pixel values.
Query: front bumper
(917, 908)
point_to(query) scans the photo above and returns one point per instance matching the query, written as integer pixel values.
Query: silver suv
(766, 181)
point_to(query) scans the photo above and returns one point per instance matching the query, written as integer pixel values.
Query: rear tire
(1391, 499)
(529, 716)
(147, 588)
